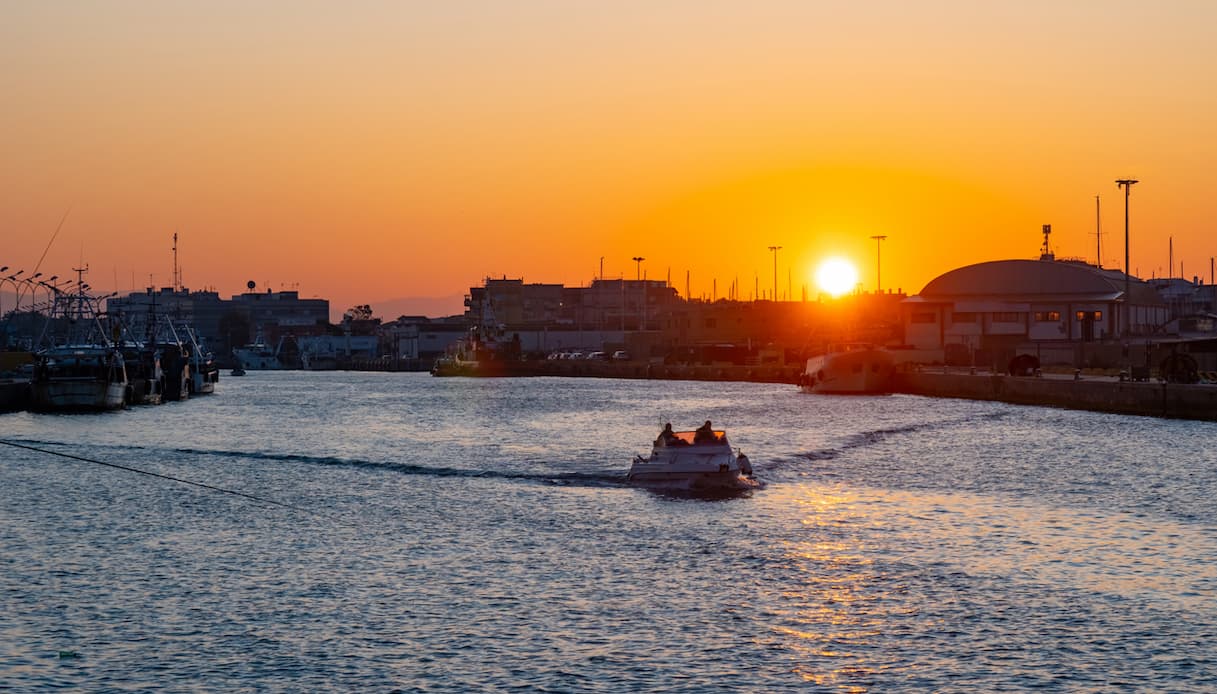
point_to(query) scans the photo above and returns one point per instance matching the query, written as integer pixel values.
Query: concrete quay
(1096, 393)
(641, 370)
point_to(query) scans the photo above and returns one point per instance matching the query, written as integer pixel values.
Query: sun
(837, 276)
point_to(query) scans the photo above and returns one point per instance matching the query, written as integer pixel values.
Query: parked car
(621, 355)
(597, 355)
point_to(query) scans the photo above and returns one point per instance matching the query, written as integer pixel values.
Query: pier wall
(1102, 395)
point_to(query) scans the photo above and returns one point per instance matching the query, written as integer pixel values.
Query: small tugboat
(700, 461)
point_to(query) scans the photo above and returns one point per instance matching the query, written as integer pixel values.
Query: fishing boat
(258, 355)
(204, 372)
(853, 368)
(83, 369)
(145, 378)
(693, 461)
(79, 377)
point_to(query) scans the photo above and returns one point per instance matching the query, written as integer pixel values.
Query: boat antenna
(260, 499)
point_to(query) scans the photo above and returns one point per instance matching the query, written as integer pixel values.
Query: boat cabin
(688, 438)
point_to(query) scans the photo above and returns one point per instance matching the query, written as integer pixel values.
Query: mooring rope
(213, 488)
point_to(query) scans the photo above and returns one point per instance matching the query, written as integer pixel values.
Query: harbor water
(456, 535)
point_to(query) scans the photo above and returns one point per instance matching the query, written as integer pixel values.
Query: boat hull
(672, 480)
(73, 394)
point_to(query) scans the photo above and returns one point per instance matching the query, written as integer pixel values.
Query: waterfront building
(224, 324)
(987, 312)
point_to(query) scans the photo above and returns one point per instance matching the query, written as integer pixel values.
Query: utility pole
(1098, 235)
(878, 263)
(1126, 184)
(775, 250)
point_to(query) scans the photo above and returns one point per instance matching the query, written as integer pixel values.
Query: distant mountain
(430, 306)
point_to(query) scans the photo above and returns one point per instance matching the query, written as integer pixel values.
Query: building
(987, 312)
(223, 324)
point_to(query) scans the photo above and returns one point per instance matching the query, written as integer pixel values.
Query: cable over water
(201, 485)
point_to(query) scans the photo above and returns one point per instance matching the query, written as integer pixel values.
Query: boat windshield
(688, 436)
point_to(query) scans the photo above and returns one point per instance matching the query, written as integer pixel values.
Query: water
(478, 535)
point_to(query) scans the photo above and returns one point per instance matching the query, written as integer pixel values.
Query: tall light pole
(775, 250)
(878, 263)
(1126, 184)
(642, 316)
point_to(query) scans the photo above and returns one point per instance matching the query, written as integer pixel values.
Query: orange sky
(370, 150)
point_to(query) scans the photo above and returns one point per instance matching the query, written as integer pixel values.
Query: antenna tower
(177, 278)
(1098, 235)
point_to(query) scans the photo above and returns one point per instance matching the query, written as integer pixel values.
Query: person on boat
(704, 433)
(667, 437)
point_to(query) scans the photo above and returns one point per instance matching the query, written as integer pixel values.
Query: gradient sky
(361, 151)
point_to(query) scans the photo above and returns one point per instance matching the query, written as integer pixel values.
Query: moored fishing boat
(84, 368)
(79, 377)
(204, 372)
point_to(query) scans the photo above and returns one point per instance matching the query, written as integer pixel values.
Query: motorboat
(856, 368)
(693, 461)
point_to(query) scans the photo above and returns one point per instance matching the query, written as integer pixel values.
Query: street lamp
(878, 263)
(1126, 184)
(28, 282)
(638, 265)
(775, 250)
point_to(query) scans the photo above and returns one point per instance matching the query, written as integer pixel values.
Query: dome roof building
(1025, 305)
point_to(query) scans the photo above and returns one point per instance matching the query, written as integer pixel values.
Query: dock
(1071, 391)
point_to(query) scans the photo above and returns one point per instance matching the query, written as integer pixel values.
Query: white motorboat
(856, 368)
(693, 461)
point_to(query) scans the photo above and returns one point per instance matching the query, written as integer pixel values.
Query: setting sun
(836, 276)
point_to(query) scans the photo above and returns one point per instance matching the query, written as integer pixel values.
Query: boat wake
(874, 437)
(576, 479)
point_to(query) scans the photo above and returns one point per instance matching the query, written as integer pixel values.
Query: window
(1047, 316)
(922, 318)
(711, 323)
(1006, 317)
(1090, 315)
(963, 317)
